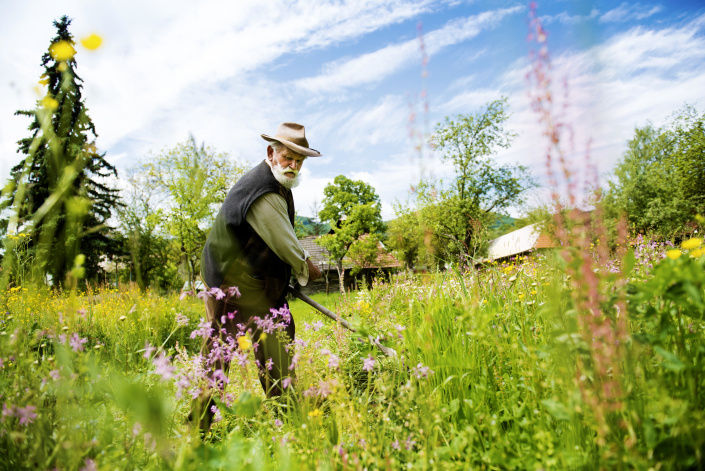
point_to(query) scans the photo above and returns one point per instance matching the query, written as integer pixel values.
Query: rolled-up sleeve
(269, 218)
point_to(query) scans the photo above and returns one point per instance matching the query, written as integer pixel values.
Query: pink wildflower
(368, 363)
(77, 343)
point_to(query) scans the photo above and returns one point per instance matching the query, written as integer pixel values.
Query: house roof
(321, 256)
(519, 241)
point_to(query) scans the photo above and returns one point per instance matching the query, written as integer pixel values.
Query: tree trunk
(341, 275)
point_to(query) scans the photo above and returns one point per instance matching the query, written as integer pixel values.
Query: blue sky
(351, 72)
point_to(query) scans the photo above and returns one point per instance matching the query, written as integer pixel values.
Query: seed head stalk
(574, 231)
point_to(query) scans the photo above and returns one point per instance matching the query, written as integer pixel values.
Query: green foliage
(500, 370)
(57, 195)
(154, 254)
(343, 195)
(404, 236)
(459, 214)
(192, 182)
(353, 209)
(658, 184)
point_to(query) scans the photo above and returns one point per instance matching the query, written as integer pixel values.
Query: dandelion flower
(692, 243)
(673, 254)
(92, 42)
(50, 103)
(62, 50)
(244, 343)
(697, 253)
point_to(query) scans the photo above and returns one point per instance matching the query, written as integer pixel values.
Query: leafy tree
(343, 195)
(658, 185)
(406, 235)
(458, 214)
(154, 254)
(353, 209)
(192, 183)
(56, 194)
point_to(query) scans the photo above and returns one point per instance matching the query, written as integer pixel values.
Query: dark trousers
(271, 352)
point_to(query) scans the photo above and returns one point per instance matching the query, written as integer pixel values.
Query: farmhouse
(518, 242)
(384, 265)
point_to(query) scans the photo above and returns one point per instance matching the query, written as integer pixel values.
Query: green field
(540, 363)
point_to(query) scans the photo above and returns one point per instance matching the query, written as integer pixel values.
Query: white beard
(279, 174)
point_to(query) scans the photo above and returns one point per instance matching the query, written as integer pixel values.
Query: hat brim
(295, 147)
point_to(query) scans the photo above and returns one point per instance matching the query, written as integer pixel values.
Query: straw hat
(293, 136)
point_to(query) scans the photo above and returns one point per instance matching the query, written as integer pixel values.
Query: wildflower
(204, 329)
(183, 295)
(148, 349)
(26, 414)
(409, 443)
(51, 104)
(122, 318)
(692, 243)
(233, 291)
(163, 367)
(55, 375)
(317, 326)
(278, 423)
(421, 371)
(244, 342)
(315, 413)
(62, 51)
(77, 343)
(269, 364)
(92, 42)
(333, 361)
(368, 363)
(181, 320)
(217, 293)
(395, 445)
(294, 361)
(697, 253)
(89, 465)
(217, 417)
(286, 382)
(673, 254)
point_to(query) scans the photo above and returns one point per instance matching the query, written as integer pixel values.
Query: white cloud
(375, 66)
(568, 19)
(629, 12)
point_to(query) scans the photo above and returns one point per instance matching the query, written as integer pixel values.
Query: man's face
(288, 163)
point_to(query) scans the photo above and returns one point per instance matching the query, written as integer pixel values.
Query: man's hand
(313, 271)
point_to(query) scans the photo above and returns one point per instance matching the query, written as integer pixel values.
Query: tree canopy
(659, 185)
(457, 214)
(58, 193)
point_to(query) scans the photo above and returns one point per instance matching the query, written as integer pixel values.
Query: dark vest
(233, 241)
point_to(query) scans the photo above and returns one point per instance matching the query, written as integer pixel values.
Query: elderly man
(252, 246)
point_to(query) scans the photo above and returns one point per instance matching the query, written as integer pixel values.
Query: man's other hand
(314, 272)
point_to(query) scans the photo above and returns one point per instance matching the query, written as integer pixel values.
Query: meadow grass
(499, 368)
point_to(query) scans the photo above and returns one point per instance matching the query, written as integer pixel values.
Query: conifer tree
(55, 194)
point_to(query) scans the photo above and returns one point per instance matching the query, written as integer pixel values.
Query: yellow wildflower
(697, 253)
(244, 342)
(533, 291)
(673, 254)
(62, 50)
(92, 42)
(521, 296)
(50, 103)
(315, 413)
(692, 243)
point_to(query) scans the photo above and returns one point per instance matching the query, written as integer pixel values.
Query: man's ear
(270, 152)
